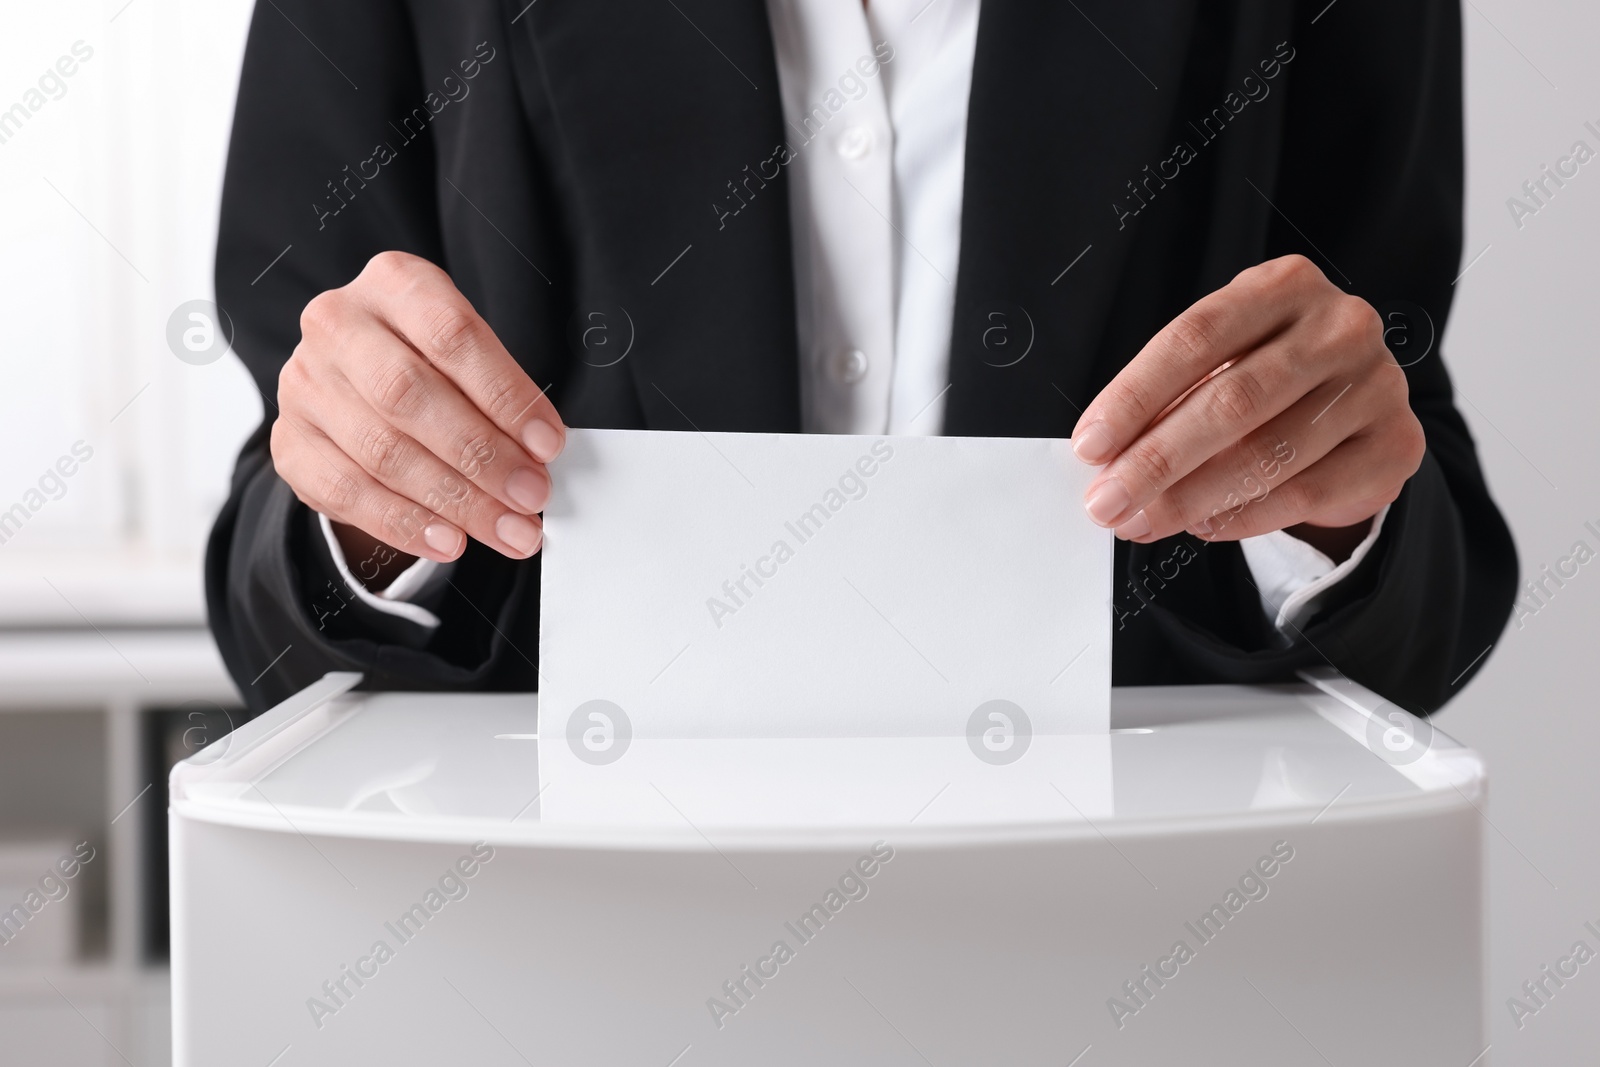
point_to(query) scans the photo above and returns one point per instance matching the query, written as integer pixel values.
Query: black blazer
(595, 143)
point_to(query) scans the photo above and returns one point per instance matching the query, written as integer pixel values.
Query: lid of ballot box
(442, 767)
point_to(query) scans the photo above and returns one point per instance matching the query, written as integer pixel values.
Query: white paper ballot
(795, 585)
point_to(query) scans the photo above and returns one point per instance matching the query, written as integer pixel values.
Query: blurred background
(115, 453)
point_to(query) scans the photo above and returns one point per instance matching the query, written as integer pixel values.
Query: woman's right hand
(403, 419)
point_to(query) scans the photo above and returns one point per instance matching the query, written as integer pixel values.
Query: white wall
(1521, 344)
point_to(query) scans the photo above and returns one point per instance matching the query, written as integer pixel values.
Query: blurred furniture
(88, 719)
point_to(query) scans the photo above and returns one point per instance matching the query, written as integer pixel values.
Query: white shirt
(875, 102)
(875, 201)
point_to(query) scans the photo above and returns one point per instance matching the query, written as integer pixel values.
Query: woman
(450, 231)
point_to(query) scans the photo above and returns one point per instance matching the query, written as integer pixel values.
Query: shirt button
(848, 366)
(854, 142)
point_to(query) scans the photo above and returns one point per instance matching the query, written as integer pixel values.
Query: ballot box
(1234, 875)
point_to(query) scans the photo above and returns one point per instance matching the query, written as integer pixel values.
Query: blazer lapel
(669, 116)
(669, 119)
(1069, 103)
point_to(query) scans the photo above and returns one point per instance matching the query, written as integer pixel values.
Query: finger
(1221, 326)
(412, 400)
(1215, 414)
(1253, 467)
(414, 472)
(425, 308)
(331, 483)
(1317, 490)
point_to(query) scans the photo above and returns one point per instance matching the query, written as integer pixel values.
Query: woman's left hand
(1270, 404)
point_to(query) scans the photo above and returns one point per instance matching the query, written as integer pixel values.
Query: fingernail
(518, 532)
(1094, 445)
(542, 439)
(1203, 529)
(528, 489)
(1109, 500)
(446, 540)
(1134, 528)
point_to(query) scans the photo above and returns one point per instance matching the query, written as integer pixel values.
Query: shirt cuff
(421, 577)
(1294, 579)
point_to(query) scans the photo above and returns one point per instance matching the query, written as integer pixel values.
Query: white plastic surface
(1020, 902)
(430, 767)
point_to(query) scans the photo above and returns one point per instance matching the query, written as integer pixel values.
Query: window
(114, 453)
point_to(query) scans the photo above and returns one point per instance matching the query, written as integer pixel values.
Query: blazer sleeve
(321, 86)
(1369, 186)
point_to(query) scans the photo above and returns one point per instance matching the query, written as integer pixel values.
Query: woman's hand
(403, 419)
(1271, 404)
